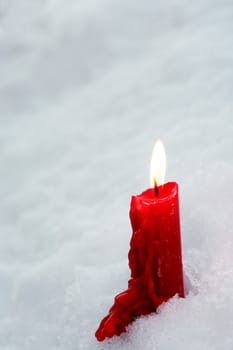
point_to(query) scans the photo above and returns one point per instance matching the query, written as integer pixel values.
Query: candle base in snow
(128, 305)
(154, 259)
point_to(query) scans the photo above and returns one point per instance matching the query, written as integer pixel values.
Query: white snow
(86, 87)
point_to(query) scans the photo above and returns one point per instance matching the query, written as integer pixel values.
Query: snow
(86, 88)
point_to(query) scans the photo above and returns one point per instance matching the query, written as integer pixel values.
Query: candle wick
(156, 187)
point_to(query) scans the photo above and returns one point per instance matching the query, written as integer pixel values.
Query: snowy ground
(86, 87)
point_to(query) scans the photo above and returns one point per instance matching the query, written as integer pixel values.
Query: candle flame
(158, 165)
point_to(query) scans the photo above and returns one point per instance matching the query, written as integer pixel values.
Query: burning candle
(155, 256)
(155, 214)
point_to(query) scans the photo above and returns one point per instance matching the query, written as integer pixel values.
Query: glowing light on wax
(158, 165)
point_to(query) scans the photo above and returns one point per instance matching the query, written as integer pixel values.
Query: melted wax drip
(140, 298)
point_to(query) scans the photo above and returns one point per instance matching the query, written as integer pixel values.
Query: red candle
(155, 256)
(156, 242)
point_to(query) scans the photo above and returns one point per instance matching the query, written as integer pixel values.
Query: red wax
(155, 259)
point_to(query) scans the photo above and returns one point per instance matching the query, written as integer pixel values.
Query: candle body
(155, 259)
(156, 242)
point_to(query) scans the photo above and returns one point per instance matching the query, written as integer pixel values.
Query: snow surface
(86, 87)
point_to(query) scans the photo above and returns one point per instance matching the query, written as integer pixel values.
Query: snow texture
(86, 87)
